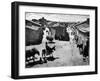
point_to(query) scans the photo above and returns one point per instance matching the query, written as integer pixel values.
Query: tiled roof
(83, 27)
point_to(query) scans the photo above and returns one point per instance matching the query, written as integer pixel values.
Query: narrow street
(65, 54)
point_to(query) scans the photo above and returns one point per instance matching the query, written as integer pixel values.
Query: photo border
(15, 39)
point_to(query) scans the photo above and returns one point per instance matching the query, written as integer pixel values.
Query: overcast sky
(57, 17)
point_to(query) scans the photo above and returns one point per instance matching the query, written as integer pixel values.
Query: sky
(57, 17)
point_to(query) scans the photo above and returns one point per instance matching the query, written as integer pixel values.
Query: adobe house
(83, 30)
(57, 29)
(60, 33)
(33, 33)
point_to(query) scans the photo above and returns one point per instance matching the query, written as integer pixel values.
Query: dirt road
(66, 54)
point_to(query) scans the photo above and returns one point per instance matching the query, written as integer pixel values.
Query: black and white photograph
(53, 40)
